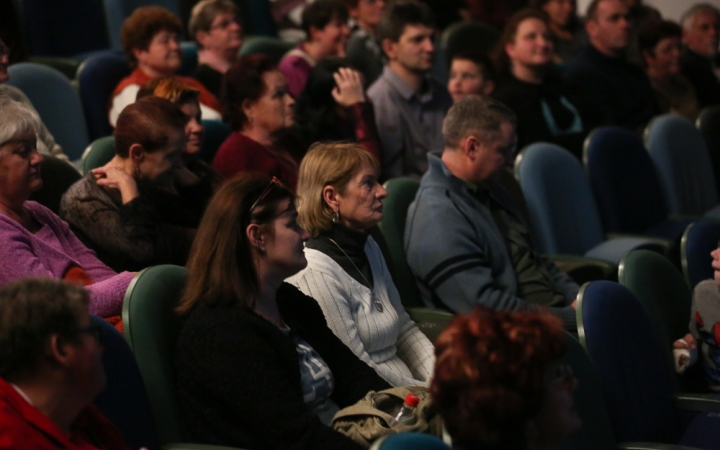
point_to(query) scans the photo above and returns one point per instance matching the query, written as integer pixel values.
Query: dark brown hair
(398, 15)
(499, 55)
(221, 269)
(143, 24)
(244, 81)
(318, 14)
(32, 310)
(651, 33)
(147, 122)
(489, 375)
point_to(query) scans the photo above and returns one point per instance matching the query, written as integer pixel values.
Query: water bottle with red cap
(407, 412)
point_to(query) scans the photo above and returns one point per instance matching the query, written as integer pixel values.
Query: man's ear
(57, 350)
(330, 197)
(255, 236)
(136, 152)
(488, 87)
(591, 27)
(471, 146)
(388, 47)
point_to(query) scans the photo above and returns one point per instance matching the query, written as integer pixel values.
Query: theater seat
(699, 240)
(100, 152)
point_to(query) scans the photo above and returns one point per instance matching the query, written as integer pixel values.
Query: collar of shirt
(423, 95)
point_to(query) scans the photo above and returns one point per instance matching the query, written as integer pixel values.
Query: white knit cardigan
(387, 341)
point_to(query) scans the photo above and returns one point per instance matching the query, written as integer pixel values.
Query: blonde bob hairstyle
(327, 164)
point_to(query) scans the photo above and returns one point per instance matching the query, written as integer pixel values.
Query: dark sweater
(533, 125)
(246, 391)
(699, 71)
(622, 89)
(210, 78)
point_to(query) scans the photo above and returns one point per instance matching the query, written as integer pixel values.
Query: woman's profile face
(163, 55)
(285, 250)
(158, 166)
(532, 46)
(558, 418)
(20, 167)
(194, 130)
(273, 111)
(360, 203)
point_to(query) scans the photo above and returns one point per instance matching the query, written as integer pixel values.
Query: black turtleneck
(353, 243)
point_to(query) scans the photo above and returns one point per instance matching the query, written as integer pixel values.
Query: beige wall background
(670, 9)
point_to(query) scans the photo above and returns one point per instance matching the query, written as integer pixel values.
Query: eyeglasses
(224, 24)
(92, 330)
(265, 192)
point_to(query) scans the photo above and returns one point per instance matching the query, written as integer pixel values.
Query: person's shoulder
(706, 289)
(380, 88)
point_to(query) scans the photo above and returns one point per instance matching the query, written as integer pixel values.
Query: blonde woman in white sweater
(340, 199)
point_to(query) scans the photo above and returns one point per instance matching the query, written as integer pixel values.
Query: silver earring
(336, 217)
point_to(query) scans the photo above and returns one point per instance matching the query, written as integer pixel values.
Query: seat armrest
(696, 402)
(430, 321)
(583, 269)
(652, 446)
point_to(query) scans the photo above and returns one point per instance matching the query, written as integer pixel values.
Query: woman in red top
(260, 110)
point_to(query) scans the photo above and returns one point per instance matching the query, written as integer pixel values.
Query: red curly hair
(489, 375)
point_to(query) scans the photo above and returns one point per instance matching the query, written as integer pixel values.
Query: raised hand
(349, 89)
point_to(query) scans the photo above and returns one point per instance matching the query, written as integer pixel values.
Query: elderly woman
(340, 200)
(547, 107)
(260, 112)
(50, 369)
(521, 398)
(150, 39)
(276, 374)
(333, 107)
(129, 210)
(36, 242)
(196, 172)
(215, 26)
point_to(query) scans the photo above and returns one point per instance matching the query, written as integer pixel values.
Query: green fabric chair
(58, 175)
(430, 321)
(100, 152)
(401, 193)
(151, 328)
(667, 299)
(270, 46)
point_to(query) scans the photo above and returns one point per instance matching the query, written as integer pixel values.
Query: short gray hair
(474, 114)
(16, 119)
(689, 15)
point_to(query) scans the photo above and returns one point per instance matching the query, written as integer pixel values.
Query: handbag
(374, 416)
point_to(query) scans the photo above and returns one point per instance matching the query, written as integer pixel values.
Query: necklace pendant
(378, 305)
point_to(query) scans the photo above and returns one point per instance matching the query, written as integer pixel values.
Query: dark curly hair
(244, 81)
(489, 375)
(145, 22)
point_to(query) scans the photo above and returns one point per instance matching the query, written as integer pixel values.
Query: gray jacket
(459, 256)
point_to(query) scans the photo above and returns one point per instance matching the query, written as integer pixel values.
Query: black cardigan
(239, 379)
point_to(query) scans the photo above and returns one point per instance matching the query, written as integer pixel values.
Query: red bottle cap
(412, 400)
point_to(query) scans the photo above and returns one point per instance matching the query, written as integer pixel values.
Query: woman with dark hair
(548, 108)
(151, 42)
(333, 107)
(276, 374)
(567, 31)
(660, 47)
(129, 211)
(259, 110)
(498, 382)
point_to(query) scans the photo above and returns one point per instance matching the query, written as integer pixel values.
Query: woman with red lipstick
(522, 396)
(547, 107)
(340, 202)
